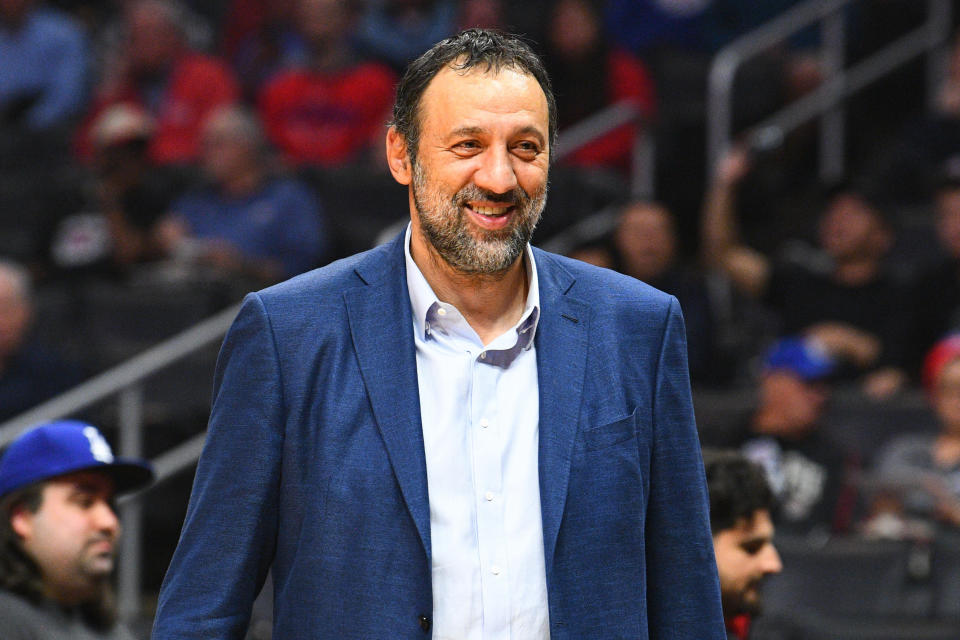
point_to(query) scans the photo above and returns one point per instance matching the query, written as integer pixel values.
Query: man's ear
(397, 157)
(21, 521)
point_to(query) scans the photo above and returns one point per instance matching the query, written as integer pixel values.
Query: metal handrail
(124, 375)
(608, 119)
(125, 380)
(839, 83)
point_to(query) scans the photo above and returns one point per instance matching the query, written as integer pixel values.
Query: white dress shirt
(479, 407)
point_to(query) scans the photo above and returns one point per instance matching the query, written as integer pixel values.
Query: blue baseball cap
(801, 357)
(65, 446)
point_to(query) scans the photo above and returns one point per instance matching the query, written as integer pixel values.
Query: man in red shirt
(159, 73)
(333, 110)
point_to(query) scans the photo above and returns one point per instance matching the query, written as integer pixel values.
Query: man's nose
(105, 518)
(496, 172)
(771, 560)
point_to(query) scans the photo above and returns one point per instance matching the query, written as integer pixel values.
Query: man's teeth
(490, 211)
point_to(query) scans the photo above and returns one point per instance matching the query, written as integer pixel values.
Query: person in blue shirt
(245, 221)
(44, 75)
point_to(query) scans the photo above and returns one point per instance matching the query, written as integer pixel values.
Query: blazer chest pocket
(610, 434)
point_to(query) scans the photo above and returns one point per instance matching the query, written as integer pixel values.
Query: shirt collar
(422, 297)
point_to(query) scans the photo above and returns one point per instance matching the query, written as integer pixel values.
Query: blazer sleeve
(228, 538)
(683, 592)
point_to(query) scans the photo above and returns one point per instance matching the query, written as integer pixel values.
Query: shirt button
(495, 569)
(441, 311)
(483, 356)
(484, 423)
(424, 622)
(489, 496)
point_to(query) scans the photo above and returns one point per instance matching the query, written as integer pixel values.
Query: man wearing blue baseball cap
(58, 533)
(806, 467)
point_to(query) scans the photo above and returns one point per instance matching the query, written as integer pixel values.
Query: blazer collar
(381, 326)
(561, 345)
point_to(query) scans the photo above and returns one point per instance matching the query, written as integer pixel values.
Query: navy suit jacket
(314, 465)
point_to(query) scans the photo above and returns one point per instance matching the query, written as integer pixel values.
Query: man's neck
(856, 272)
(243, 183)
(330, 59)
(490, 303)
(769, 420)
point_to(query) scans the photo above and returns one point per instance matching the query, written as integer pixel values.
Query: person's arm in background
(722, 249)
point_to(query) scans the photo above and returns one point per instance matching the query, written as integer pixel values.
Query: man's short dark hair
(738, 488)
(472, 48)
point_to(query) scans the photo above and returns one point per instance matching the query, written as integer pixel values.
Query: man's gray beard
(447, 231)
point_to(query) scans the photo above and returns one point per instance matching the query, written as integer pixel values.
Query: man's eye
(468, 145)
(84, 500)
(752, 548)
(527, 148)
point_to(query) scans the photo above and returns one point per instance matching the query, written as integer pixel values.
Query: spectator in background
(268, 44)
(647, 25)
(30, 373)
(158, 72)
(589, 75)
(59, 533)
(397, 31)
(740, 506)
(645, 241)
(844, 300)
(247, 222)
(937, 301)
(919, 473)
(334, 109)
(783, 433)
(481, 14)
(906, 170)
(44, 60)
(101, 225)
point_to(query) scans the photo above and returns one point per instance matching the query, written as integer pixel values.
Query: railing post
(643, 164)
(720, 109)
(131, 513)
(939, 19)
(832, 125)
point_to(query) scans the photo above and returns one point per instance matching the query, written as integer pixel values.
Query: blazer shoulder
(596, 285)
(332, 280)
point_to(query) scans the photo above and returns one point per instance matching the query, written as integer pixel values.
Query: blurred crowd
(160, 158)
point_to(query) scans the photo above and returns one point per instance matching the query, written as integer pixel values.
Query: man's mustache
(516, 196)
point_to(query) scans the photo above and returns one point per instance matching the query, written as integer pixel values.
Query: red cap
(942, 354)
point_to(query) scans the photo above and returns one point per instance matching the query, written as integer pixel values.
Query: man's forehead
(504, 86)
(95, 481)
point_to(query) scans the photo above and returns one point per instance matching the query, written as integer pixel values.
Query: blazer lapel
(381, 327)
(561, 345)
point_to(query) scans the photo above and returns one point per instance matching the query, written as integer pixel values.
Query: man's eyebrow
(756, 540)
(532, 131)
(467, 131)
(88, 486)
(476, 131)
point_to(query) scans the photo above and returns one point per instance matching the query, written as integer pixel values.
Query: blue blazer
(314, 465)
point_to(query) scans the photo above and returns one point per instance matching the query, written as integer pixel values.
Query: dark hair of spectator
(19, 573)
(469, 49)
(738, 488)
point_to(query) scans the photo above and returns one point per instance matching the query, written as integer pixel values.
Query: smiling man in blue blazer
(453, 435)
